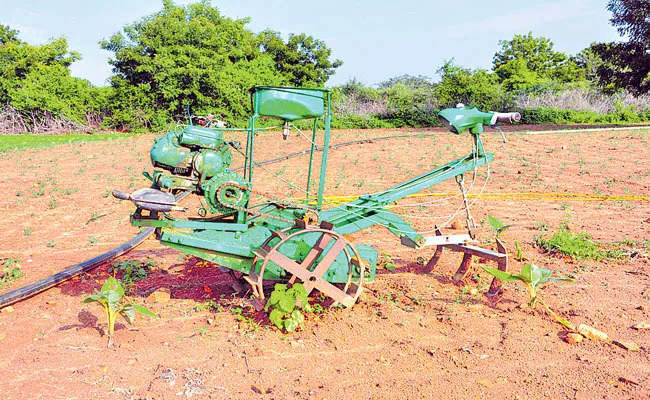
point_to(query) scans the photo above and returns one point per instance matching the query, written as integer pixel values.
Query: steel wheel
(312, 268)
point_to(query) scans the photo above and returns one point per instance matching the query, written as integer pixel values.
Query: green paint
(199, 159)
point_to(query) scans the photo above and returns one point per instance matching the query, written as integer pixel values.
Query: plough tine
(500, 257)
(436, 256)
(461, 272)
(495, 286)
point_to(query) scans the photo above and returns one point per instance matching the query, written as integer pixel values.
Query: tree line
(194, 57)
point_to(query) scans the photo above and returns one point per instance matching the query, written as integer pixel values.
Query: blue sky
(376, 39)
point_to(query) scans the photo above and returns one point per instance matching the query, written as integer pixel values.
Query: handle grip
(121, 195)
(507, 118)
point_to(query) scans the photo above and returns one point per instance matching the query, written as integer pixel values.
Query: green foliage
(303, 60)
(10, 272)
(287, 306)
(131, 271)
(519, 254)
(526, 63)
(497, 225)
(209, 305)
(386, 262)
(531, 275)
(403, 101)
(626, 65)
(578, 246)
(478, 88)
(29, 141)
(36, 81)
(554, 115)
(192, 55)
(410, 104)
(110, 297)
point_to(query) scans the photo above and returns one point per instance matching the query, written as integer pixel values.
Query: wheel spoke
(311, 271)
(316, 251)
(334, 292)
(329, 258)
(289, 265)
(310, 280)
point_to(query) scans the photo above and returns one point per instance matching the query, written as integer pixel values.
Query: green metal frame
(232, 241)
(290, 104)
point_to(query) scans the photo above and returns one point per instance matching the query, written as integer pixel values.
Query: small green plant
(541, 226)
(51, 243)
(209, 305)
(578, 246)
(497, 226)
(110, 297)
(288, 304)
(10, 272)
(534, 278)
(131, 271)
(27, 232)
(386, 261)
(519, 254)
(251, 324)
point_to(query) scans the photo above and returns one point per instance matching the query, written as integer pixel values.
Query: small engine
(198, 159)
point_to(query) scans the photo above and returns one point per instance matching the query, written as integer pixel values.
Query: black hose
(32, 289)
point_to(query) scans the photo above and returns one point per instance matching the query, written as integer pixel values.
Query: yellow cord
(544, 196)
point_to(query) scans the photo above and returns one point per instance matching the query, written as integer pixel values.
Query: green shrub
(578, 246)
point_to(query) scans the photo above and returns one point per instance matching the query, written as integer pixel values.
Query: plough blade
(500, 257)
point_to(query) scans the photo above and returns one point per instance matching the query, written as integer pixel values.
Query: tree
(184, 56)
(626, 65)
(478, 88)
(527, 62)
(7, 34)
(415, 82)
(193, 56)
(632, 19)
(36, 81)
(305, 61)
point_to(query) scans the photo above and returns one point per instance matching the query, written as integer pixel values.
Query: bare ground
(412, 334)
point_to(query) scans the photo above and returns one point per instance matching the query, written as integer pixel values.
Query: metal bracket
(500, 257)
(439, 240)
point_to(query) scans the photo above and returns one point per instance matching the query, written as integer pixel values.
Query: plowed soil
(413, 334)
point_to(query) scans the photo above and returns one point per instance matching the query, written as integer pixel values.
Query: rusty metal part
(310, 271)
(500, 257)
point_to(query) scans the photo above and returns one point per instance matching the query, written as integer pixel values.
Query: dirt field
(412, 334)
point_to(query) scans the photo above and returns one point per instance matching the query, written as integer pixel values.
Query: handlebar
(507, 118)
(121, 195)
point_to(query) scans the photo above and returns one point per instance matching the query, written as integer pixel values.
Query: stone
(573, 338)
(631, 346)
(162, 295)
(592, 333)
(641, 325)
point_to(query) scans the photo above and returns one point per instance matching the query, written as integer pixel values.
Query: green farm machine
(288, 240)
